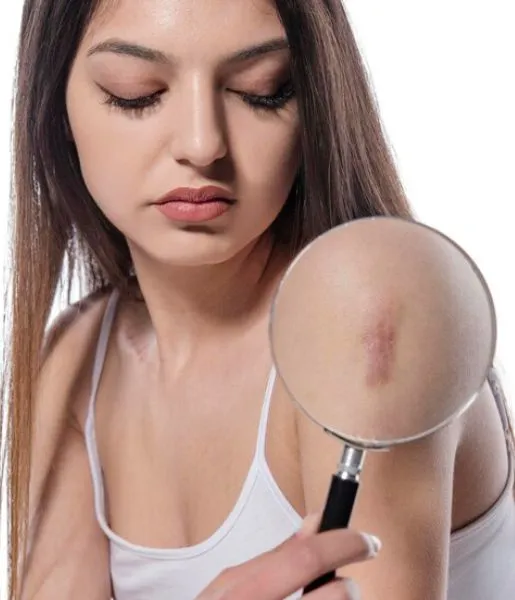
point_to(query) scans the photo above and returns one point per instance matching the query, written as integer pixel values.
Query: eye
(272, 102)
(136, 106)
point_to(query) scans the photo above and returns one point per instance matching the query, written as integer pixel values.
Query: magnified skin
(383, 329)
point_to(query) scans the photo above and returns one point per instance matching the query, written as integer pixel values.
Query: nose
(199, 132)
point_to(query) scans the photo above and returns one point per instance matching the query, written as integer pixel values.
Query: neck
(189, 307)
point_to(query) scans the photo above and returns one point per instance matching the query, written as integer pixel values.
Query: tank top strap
(496, 387)
(103, 341)
(90, 433)
(263, 420)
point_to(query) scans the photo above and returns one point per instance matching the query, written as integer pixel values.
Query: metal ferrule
(351, 464)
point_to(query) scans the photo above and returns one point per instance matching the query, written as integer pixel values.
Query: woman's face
(168, 94)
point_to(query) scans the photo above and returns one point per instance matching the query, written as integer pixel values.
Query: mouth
(202, 195)
(195, 205)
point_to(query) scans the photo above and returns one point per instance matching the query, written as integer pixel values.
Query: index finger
(292, 565)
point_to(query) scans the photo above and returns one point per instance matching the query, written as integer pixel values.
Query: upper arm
(405, 498)
(68, 554)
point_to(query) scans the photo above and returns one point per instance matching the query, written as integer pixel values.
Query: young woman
(176, 155)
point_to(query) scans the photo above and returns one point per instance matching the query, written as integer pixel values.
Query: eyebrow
(124, 48)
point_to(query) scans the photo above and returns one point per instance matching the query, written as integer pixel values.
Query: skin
(204, 322)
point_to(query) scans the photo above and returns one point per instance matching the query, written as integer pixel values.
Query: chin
(196, 259)
(197, 250)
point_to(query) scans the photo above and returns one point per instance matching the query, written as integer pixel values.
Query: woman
(176, 155)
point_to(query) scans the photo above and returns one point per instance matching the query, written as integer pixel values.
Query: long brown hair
(347, 172)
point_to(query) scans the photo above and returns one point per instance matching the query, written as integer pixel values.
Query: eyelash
(270, 103)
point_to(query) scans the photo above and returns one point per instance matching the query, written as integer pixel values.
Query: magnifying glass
(383, 331)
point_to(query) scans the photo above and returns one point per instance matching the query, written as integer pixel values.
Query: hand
(294, 564)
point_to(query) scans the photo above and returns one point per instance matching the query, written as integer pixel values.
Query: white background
(443, 74)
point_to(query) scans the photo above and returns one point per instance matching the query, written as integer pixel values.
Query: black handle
(337, 513)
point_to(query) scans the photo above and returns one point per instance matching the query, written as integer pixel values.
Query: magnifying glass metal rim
(368, 444)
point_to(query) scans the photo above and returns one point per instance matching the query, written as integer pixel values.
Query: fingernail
(374, 544)
(352, 589)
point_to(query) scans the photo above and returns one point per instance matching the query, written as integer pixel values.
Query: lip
(195, 205)
(207, 193)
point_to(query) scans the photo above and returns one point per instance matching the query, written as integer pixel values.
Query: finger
(228, 577)
(340, 589)
(299, 561)
(310, 525)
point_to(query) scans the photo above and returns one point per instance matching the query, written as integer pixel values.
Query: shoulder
(67, 352)
(69, 347)
(70, 341)
(74, 324)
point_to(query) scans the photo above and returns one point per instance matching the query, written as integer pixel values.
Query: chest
(175, 467)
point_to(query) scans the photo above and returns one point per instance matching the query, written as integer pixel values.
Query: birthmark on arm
(379, 341)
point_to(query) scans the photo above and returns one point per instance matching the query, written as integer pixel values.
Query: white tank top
(482, 555)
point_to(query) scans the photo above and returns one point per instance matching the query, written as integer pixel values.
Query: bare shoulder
(67, 355)
(69, 348)
(73, 325)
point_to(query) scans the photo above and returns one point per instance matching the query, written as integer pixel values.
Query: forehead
(196, 27)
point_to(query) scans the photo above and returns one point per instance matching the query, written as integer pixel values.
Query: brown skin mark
(379, 344)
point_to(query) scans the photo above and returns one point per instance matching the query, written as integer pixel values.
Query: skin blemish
(379, 345)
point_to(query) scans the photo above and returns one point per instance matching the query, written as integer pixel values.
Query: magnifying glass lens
(383, 330)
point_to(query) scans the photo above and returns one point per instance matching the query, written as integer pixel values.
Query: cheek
(111, 163)
(266, 152)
